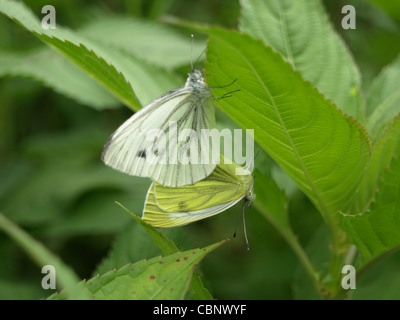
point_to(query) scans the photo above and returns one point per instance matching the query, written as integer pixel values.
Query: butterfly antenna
(244, 227)
(191, 52)
(197, 61)
(225, 86)
(237, 221)
(227, 95)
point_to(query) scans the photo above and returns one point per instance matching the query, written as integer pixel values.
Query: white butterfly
(133, 150)
(171, 207)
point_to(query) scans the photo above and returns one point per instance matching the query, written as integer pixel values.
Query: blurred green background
(54, 185)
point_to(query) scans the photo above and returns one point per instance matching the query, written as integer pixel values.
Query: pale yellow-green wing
(170, 207)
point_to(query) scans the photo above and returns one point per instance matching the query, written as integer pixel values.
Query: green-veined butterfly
(190, 107)
(171, 207)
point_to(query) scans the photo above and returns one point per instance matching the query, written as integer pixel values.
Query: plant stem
(336, 238)
(350, 255)
(302, 256)
(292, 241)
(336, 258)
(361, 271)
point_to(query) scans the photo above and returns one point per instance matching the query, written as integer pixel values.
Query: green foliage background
(54, 121)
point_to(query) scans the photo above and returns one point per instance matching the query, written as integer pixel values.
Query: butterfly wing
(132, 149)
(171, 207)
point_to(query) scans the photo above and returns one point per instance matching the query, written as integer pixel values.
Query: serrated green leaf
(134, 244)
(160, 278)
(72, 47)
(54, 71)
(302, 33)
(383, 100)
(115, 70)
(383, 152)
(167, 246)
(380, 282)
(376, 232)
(324, 151)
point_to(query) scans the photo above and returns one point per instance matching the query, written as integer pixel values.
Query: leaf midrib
(286, 41)
(322, 204)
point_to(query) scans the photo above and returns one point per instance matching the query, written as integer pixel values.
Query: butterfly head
(250, 195)
(196, 75)
(196, 81)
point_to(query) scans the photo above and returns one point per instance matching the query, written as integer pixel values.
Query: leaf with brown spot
(159, 278)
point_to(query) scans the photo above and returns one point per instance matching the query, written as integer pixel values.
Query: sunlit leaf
(301, 31)
(115, 70)
(376, 232)
(384, 150)
(324, 151)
